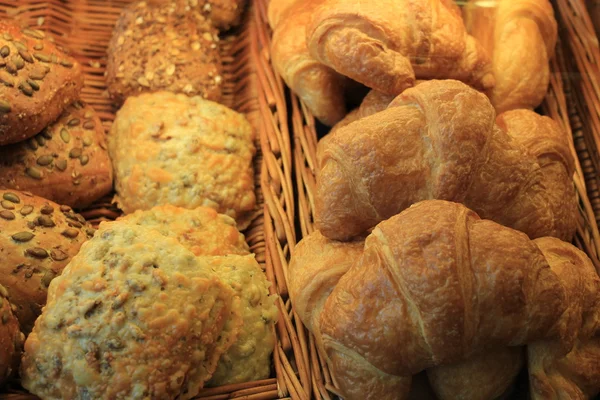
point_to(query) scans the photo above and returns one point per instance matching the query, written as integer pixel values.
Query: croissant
(319, 87)
(523, 30)
(436, 285)
(385, 44)
(439, 140)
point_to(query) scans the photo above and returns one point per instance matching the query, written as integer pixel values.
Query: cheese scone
(169, 148)
(134, 315)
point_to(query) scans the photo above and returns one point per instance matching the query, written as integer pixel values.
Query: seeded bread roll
(223, 14)
(163, 47)
(11, 339)
(38, 81)
(203, 231)
(168, 148)
(67, 162)
(38, 238)
(134, 315)
(207, 233)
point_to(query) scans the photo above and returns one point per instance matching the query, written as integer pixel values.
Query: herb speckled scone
(11, 338)
(186, 151)
(163, 47)
(38, 238)
(207, 233)
(203, 231)
(135, 315)
(37, 81)
(67, 162)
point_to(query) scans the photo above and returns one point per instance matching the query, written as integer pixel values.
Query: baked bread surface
(67, 162)
(134, 315)
(163, 47)
(38, 238)
(11, 339)
(37, 81)
(186, 151)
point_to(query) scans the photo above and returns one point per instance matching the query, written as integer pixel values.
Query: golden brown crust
(11, 339)
(318, 86)
(38, 239)
(37, 81)
(67, 162)
(277, 9)
(134, 315)
(169, 148)
(163, 47)
(386, 44)
(437, 140)
(522, 30)
(440, 284)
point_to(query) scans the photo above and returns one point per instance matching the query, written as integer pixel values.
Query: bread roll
(67, 162)
(208, 234)
(169, 148)
(163, 47)
(11, 339)
(38, 238)
(38, 80)
(134, 315)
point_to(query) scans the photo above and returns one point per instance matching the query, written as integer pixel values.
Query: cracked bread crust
(168, 148)
(163, 47)
(135, 315)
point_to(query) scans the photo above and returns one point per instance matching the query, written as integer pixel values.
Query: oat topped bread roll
(186, 151)
(202, 230)
(135, 315)
(208, 234)
(163, 47)
(67, 162)
(11, 339)
(38, 238)
(37, 81)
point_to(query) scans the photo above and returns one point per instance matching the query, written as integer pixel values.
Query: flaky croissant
(434, 286)
(519, 36)
(318, 86)
(385, 44)
(439, 140)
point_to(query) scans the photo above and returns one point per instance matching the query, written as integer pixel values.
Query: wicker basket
(250, 86)
(573, 100)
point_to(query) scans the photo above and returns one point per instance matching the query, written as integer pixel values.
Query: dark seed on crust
(89, 124)
(84, 160)
(5, 51)
(75, 152)
(7, 215)
(34, 173)
(47, 134)
(11, 67)
(74, 224)
(65, 209)
(22, 237)
(26, 56)
(70, 233)
(41, 140)
(61, 165)
(38, 46)
(37, 252)
(11, 197)
(47, 278)
(26, 89)
(44, 160)
(65, 135)
(66, 63)
(34, 85)
(4, 107)
(45, 221)
(47, 209)
(73, 122)
(18, 61)
(26, 210)
(42, 57)
(7, 205)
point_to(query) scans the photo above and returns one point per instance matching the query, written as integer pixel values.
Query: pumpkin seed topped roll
(185, 151)
(37, 81)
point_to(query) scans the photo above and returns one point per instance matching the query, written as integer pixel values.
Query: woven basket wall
(573, 100)
(85, 28)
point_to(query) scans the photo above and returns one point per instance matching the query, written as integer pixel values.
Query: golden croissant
(441, 140)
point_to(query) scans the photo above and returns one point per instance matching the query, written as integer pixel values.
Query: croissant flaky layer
(436, 285)
(440, 140)
(520, 36)
(385, 44)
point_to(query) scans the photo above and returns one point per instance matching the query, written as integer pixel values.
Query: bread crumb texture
(186, 151)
